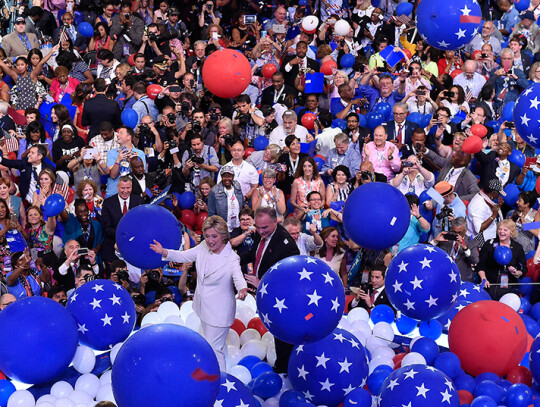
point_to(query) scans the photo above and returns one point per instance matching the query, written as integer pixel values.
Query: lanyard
(278, 95)
(26, 42)
(294, 165)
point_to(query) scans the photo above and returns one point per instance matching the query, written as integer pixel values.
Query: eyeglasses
(237, 150)
(352, 121)
(400, 114)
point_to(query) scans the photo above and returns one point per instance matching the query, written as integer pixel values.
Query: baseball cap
(20, 19)
(161, 62)
(227, 169)
(527, 15)
(173, 11)
(444, 188)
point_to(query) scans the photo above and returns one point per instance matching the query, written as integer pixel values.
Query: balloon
(249, 361)
(490, 389)
(377, 377)
(380, 226)
(431, 329)
(512, 300)
(374, 119)
(248, 152)
(483, 401)
(341, 27)
(534, 359)
(233, 392)
(448, 363)
(88, 383)
(129, 118)
(518, 395)
(86, 29)
(260, 368)
(532, 327)
(153, 90)
(310, 24)
(84, 360)
(428, 348)
(321, 370)
(484, 329)
(226, 73)
(291, 398)
(384, 109)
(319, 160)
(308, 120)
(328, 66)
(134, 242)
(238, 326)
(382, 313)
(188, 218)
(21, 398)
(6, 389)
(512, 194)
(268, 70)
(410, 384)
(503, 255)
(358, 397)
(257, 324)
(455, 73)
(472, 145)
(405, 325)
(404, 9)
(261, 142)
(131, 60)
(104, 312)
(199, 220)
(520, 374)
(347, 60)
(479, 130)
(54, 205)
(267, 385)
(241, 373)
(413, 358)
(522, 5)
(186, 374)
(416, 117)
(517, 157)
(187, 200)
(339, 124)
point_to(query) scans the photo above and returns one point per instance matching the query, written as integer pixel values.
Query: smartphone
(406, 164)
(214, 36)
(14, 218)
(263, 34)
(279, 29)
(420, 92)
(250, 19)
(510, 125)
(331, 21)
(82, 251)
(451, 236)
(89, 154)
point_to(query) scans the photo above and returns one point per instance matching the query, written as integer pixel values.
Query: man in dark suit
(141, 182)
(278, 92)
(495, 164)
(272, 243)
(29, 168)
(79, 42)
(293, 63)
(100, 109)
(375, 294)
(400, 130)
(113, 209)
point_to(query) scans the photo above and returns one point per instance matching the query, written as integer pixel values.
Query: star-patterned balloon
(327, 370)
(233, 393)
(104, 312)
(418, 386)
(526, 112)
(534, 359)
(422, 282)
(448, 25)
(300, 299)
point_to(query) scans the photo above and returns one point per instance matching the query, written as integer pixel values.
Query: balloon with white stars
(104, 312)
(422, 282)
(233, 393)
(534, 359)
(418, 386)
(300, 299)
(448, 25)
(526, 115)
(327, 370)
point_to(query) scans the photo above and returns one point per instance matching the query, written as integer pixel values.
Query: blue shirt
(510, 19)
(112, 155)
(351, 159)
(145, 107)
(18, 290)
(412, 236)
(373, 96)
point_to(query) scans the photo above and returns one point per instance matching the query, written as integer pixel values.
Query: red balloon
(201, 217)
(238, 326)
(131, 60)
(465, 397)
(153, 90)
(487, 328)
(407, 52)
(226, 73)
(188, 218)
(520, 374)
(326, 67)
(308, 120)
(455, 73)
(399, 357)
(2, 376)
(257, 324)
(248, 152)
(472, 145)
(479, 130)
(268, 70)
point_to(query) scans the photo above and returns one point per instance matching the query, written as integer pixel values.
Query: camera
(171, 117)
(82, 251)
(420, 92)
(144, 129)
(366, 287)
(453, 236)
(63, 302)
(127, 16)
(446, 211)
(139, 299)
(366, 175)
(407, 164)
(510, 125)
(152, 37)
(153, 275)
(185, 107)
(243, 118)
(270, 127)
(122, 275)
(196, 159)
(214, 116)
(172, 144)
(418, 146)
(483, 55)
(89, 277)
(196, 126)
(449, 94)
(165, 299)
(209, 6)
(229, 140)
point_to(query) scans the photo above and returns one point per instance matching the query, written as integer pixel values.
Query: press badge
(126, 49)
(504, 280)
(149, 151)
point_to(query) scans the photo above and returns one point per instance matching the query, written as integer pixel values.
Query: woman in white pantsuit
(218, 268)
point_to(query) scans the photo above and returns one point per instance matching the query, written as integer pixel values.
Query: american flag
(469, 95)
(405, 20)
(61, 187)
(63, 36)
(12, 143)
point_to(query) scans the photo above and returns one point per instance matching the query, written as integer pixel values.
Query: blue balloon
(384, 109)
(507, 112)
(416, 117)
(504, 384)
(518, 395)
(347, 60)
(86, 29)
(522, 5)
(362, 122)
(267, 385)
(134, 242)
(418, 386)
(445, 26)
(494, 124)
(249, 361)
(502, 255)
(358, 397)
(525, 113)
(233, 392)
(6, 389)
(319, 161)
(471, 292)
(490, 389)
(465, 382)
(129, 117)
(404, 9)
(30, 321)
(376, 379)
(524, 362)
(260, 143)
(490, 376)
(428, 348)
(426, 119)
(187, 200)
(526, 307)
(374, 119)
(405, 325)
(532, 327)
(483, 401)
(104, 312)
(321, 370)
(517, 157)
(54, 205)
(382, 313)
(448, 363)
(535, 311)
(291, 398)
(186, 374)
(309, 312)
(259, 368)
(512, 194)
(339, 124)
(526, 287)
(422, 282)
(16, 241)
(431, 329)
(380, 226)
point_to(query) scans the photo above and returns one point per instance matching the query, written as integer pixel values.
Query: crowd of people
(63, 96)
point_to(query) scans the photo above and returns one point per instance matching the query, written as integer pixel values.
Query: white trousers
(217, 338)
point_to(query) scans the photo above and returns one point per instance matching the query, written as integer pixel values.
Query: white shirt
(414, 108)
(142, 183)
(475, 84)
(246, 175)
(503, 171)
(306, 244)
(478, 212)
(325, 140)
(34, 182)
(122, 203)
(453, 175)
(278, 135)
(233, 208)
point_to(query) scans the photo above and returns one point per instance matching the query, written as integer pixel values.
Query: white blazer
(214, 301)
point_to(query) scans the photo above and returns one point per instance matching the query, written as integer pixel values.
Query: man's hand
(253, 280)
(441, 237)
(362, 295)
(390, 153)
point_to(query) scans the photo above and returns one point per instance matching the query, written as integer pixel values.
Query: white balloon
(413, 358)
(341, 27)
(512, 300)
(61, 389)
(362, 326)
(193, 322)
(373, 343)
(358, 314)
(84, 359)
(186, 308)
(64, 402)
(254, 347)
(174, 319)
(310, 23)
(115, 349)
(248, 335)
(105, 393)
(344, 323)
(105, 379)
(233, 339)
(383, 330)
(384, 351)
(272, 402)
(89, 383)
(47, 398)
(81, 397)
(378, 361)
(168, 308)
(21, 398)
(268, 339)
(46, 404)
(362, 338)
(234, 356)
(245, 314)
(271, 356)
(241, 373)
(251, 302)
(151, 318)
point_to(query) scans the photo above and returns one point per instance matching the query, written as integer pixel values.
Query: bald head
(469, 67)
(6, 299)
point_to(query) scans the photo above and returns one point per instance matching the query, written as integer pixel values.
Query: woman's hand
(486, 283)
(242, 294)
(158, 248)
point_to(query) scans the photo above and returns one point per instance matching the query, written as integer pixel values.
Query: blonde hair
(510, 225)
(217, 222)
(228, 123)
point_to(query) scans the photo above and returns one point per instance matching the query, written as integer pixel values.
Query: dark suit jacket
(269, 92)
(382, 298)
(392, 131)
(80, 42)
(463, 262)
(150, 182)
(25, 171)
(110, 216)
(100, 109)
(295, 69)
(489, 164)
(281, 246)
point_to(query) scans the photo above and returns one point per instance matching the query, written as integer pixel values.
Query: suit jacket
(111, 214)
(100, 109)
(382, 298)
(14, 47)
(463, 262)
(295, 69)
(25, 172)
(281, 246)
(79, 43)
(269, 92)
(391, 129)
(488, 166)
(150, 182)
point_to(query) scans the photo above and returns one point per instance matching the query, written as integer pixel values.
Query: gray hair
(269, 173)
(341, 138)
(507, 51)
(289, 114)
(125, 178)
(460, 221)
(266, 210)
(404, 106)
(3, 107)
